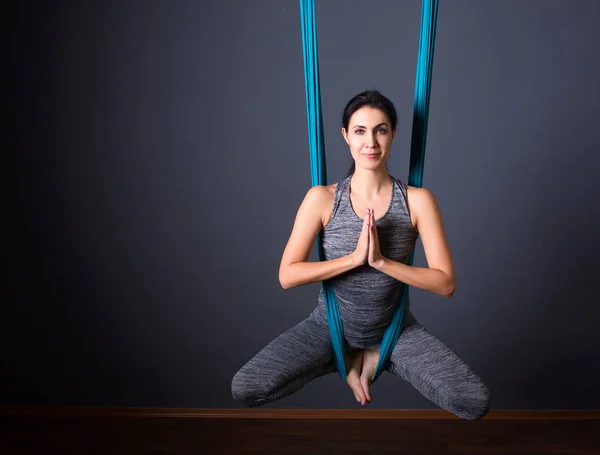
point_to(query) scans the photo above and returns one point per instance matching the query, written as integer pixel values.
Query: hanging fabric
(318, 170)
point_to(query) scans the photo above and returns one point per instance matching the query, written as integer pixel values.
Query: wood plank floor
(106, 434)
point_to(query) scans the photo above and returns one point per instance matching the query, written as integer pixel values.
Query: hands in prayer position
(367, 249)
(361, 363)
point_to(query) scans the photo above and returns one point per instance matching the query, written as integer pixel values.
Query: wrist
(356, 261)
(380, 263)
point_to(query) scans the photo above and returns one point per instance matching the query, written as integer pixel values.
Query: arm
(439, 277)
(294, 269)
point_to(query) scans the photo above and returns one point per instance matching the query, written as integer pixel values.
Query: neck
(370, 184)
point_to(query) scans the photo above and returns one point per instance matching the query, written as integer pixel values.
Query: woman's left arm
(439, 276)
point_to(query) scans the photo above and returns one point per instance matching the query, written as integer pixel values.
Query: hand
(361, 254)
(374, 257)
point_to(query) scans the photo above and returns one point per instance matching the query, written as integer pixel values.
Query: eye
(382, 130)
(359, 131)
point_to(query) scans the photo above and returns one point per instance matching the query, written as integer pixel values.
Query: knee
(473, 405)
(247, 389)
(241, 390)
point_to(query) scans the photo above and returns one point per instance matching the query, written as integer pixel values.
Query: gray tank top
(367, 297)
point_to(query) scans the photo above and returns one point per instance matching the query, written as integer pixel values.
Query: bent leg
(436, 371)
(286, 364)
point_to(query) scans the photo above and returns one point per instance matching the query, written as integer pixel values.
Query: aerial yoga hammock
(318, 168)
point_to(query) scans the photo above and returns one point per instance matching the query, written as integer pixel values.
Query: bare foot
(354, 360)
(369, 365)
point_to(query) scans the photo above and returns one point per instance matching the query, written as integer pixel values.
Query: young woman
(369, 223)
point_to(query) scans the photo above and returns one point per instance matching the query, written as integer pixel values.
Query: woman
(369, 223)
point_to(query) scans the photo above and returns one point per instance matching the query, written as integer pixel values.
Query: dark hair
(370, 98)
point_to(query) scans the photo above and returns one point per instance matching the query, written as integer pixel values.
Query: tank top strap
(338, 198)
(342, 205)
(399, 189)
(401, 207)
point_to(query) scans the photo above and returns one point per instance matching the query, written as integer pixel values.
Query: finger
(374, 228)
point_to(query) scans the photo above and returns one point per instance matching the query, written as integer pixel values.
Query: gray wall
(159, 155)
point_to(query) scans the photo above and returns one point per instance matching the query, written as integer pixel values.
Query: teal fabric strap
(318, 160)
(429, 9)
(318, 170)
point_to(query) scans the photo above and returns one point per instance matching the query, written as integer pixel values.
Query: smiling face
(369, 136)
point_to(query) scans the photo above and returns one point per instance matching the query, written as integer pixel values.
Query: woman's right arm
(294, 269)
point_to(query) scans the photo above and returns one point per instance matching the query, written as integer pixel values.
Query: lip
(371, 155)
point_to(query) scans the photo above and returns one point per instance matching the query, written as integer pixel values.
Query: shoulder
(320, 200)
(419, 195)
(320, 194)
(422, 202)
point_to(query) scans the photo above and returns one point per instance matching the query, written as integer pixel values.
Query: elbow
(284, 279)
(449, 289)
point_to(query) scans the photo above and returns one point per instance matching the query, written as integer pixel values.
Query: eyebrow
(360, 126)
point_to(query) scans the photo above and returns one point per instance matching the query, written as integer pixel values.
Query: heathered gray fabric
(366, 298)
(304, 353)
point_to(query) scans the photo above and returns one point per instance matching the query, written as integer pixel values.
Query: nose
(372, 141)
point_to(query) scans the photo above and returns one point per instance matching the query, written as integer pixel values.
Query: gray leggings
(304, 353)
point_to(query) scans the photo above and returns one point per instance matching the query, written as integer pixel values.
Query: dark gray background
(159, 154)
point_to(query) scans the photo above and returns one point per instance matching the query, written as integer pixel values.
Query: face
(369, 136)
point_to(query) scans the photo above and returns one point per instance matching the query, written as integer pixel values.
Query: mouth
(371, 155)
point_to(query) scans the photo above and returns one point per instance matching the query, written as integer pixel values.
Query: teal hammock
(318, 169)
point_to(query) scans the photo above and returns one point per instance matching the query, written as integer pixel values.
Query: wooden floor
(63, 433)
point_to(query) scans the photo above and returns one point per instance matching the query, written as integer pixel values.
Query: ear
(393, 133)
(345, 134)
